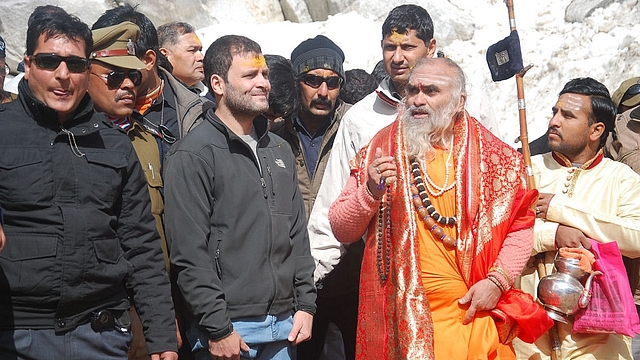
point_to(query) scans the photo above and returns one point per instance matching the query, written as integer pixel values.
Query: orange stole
(394, 317)
(444, 286)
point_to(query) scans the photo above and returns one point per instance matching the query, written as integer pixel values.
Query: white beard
(422, 135)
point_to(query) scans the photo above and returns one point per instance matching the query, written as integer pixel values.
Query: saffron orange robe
(394, 318)
(444, 284)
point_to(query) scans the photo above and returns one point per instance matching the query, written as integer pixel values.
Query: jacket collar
(40, 112)
(260, 124)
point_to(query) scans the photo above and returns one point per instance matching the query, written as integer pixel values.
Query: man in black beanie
(317, 63)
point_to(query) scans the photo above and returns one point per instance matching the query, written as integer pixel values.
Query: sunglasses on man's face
(75, 64)
(333, 82)
(115, 78)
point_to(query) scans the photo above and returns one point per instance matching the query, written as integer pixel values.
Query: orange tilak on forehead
(196, 39)
(395, 37)
(256, 61)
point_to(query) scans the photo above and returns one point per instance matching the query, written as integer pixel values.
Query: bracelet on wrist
(496, 282)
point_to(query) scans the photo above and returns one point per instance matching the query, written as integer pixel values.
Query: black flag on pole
(504, 57)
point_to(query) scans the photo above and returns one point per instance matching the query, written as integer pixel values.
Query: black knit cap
(317, 53)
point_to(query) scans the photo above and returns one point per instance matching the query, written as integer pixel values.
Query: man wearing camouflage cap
(81, 239)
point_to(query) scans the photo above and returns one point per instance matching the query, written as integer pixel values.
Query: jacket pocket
(28, 261)
(106, 169)
(22, 176)
(105, 264)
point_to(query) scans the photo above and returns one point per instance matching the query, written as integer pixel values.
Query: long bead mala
(427, 211)
(384, 235)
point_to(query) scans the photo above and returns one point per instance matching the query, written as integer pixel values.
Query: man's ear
(163, 51)
(27, 67)
(431, 46)
(462, 102)
(149, 59)
(217, 84)
(596, 131)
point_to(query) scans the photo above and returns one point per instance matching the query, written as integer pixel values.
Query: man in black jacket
(81, 239)
(235, 220)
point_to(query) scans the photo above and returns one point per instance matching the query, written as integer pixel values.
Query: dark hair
(57, 22)
(284, 97)
(43, 10)
(603, 109)
(169, 33)
(220, 54)
(409, 17)
(357, 85)
(379, 73)
(148, 39)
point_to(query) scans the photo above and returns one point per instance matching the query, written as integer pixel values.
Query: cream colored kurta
(603, 202)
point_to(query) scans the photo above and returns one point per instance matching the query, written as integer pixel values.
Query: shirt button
(84, 131)
(95, 125)
(62, 323)
(52, 143)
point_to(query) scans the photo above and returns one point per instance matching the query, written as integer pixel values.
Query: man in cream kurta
(582, 195)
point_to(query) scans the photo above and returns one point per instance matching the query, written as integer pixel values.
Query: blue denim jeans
(80, 343)
(266, 336)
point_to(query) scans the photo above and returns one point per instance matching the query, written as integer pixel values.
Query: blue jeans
(80, 343)
(266, 336)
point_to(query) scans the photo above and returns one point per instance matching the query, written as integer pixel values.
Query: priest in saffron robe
(449, 227)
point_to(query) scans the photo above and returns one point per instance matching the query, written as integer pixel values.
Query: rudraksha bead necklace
(427, 211)
(383, 234)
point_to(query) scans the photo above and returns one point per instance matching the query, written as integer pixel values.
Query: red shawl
(491, 201)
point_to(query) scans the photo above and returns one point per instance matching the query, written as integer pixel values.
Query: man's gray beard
(422, 135)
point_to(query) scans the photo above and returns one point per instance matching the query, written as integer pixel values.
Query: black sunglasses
(333, 82)
(115, 78)
(75, 64)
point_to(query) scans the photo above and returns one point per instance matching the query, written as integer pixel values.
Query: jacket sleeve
(352, 212)
(189, 197)
(141, 244)
(325, 248)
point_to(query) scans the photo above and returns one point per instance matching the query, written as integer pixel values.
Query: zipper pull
(153, 174)
(264, 187)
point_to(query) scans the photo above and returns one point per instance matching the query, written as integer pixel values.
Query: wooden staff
(524, 139)
(522, 108)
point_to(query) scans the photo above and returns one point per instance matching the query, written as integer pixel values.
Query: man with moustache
(116, 73)
(82, 241)
(168, 108)
(317, 63)
(448, 223)
(182, 47)
(235, 219)
(571, 212)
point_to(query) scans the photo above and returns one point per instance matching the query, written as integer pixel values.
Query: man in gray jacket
(235, 220)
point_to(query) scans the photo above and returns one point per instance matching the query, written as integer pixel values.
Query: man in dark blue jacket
(235, 219)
